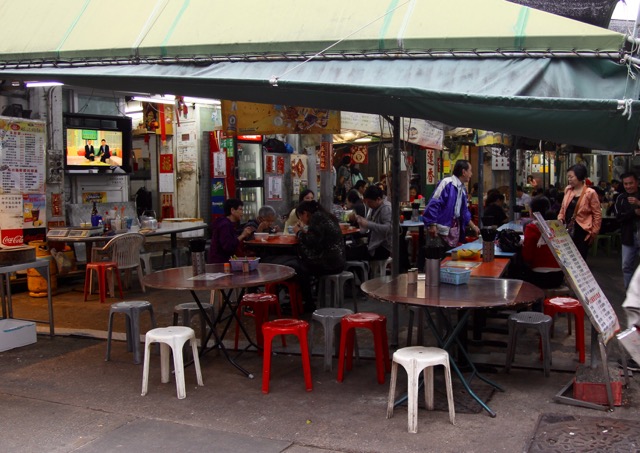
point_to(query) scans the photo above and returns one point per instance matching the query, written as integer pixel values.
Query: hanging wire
(274, 79)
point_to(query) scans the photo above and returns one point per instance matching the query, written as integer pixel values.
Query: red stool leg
(261, 315)
(344, 327)
(116, 271)
(306, 360)
(579, 314)
(266, 360)
(102, 283)
(87, 279)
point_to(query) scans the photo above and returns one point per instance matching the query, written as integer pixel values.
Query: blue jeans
(629, 258)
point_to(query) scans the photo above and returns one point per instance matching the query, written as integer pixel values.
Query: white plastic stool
(360, 269)
(171, 337)
(414, 360)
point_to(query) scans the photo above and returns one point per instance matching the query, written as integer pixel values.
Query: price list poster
(22, 176)
(594, 301)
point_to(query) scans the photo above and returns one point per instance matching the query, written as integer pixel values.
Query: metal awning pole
(395, 216)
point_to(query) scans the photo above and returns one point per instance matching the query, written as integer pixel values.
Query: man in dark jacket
(627, 209)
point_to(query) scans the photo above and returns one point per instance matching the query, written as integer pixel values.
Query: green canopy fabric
(468, 63)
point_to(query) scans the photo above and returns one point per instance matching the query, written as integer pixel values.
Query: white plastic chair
(124, 249)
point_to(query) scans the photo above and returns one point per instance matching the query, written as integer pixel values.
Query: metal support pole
(395, 215)
(480, 171)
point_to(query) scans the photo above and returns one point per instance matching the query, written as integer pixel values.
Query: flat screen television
(97, 144)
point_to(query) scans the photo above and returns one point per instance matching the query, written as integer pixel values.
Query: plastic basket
(455, 276)
(236, 265)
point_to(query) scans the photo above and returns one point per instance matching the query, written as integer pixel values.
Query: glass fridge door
(249, 161)
(251, 198)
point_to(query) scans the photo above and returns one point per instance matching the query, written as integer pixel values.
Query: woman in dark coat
(320, 242)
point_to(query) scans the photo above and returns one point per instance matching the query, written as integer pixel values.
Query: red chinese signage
(431, 167)
(359, 154)
(324, 155)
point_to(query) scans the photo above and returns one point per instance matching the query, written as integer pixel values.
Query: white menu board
(579, 276)
(22, 155)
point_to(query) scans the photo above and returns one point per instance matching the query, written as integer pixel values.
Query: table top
(149, 233)
(492, 269)
(283, 240)
(178, 277)
(478, 293)
(412, 223)
(23, 266)
(516, 226)
(477, 245)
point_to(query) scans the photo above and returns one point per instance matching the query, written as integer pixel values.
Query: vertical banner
(324, 155)
(595, 303)
(431, 168)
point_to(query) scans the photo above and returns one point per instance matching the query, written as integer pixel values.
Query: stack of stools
(360, 269)
(286, 327)
(414, 360)
(295, 295)
(101, 268)
(570, 306)
(329, 318)
(378, 268)
(257, 305)
(336, 284)
(173, 337)
(377, 324)
(186, 311)
(535, 320)
(132, 310)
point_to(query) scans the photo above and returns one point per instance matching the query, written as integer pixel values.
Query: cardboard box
(15, 333)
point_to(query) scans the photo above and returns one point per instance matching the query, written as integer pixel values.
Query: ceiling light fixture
(168, 99)
(43, 84)
(190, 100)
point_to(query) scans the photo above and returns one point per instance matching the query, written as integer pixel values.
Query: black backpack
(509, 241)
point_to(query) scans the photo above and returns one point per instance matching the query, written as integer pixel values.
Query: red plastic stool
(295, 295)
(377, 324)
(555, 305)
(286, 327)
(101, 268)
(259, 303)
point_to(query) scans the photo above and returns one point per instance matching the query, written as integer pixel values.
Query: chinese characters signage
(587, 290)
(431, 167)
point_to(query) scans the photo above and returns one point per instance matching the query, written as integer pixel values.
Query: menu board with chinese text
(579, 276)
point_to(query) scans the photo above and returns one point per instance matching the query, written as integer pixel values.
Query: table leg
(212, 323)
(47, 276)
(446, 341)
(175, 258)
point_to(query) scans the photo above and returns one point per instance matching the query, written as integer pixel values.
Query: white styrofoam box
(15, 333)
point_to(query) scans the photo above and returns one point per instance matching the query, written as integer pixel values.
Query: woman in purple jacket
(224, 237)
(447, 213)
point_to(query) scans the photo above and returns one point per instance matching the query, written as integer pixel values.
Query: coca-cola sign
(11, 238)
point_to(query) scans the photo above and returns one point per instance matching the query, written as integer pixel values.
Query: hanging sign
(431, 167)
(359, 154)
(251, 118)
(324, 155)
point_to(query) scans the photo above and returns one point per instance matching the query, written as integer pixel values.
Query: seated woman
(543, 269)
(414, 195)
(356, 205)
(494, 209)
(292, 220)
(320, 242)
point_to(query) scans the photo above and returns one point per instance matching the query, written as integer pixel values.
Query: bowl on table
(236, 264)
(261, 236)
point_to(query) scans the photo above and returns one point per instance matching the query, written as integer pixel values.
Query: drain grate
(567, 433)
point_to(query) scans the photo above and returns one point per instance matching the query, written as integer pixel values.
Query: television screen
(96, 144)
(94, 148)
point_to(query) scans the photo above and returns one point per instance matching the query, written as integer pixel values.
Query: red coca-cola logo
(12, 238)
(15, 127)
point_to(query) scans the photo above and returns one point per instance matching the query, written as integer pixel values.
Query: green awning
(123, 29)
(468, 63)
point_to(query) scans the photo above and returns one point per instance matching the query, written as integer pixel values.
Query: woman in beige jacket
(581, 204)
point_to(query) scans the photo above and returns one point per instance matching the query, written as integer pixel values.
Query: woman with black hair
(292, 220)
(320, 242)
(580, 209)
(494, 212)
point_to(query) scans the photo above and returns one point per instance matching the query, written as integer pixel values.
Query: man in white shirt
(522, 199)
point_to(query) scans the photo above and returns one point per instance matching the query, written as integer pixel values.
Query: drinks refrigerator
(249, 174)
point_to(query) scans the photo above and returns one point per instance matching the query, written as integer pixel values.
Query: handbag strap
(575, 210)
